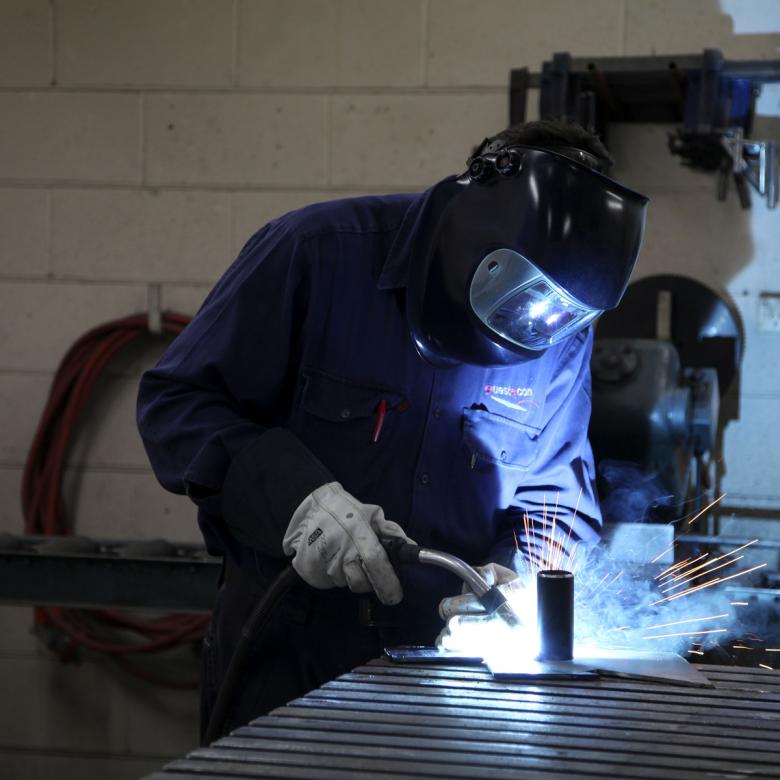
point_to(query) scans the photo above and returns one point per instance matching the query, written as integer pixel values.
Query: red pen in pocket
(381, 411)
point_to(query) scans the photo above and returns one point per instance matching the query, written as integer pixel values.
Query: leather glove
(335, 542)
(469, 631)
(467, 604)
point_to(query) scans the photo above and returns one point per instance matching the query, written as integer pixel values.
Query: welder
(410, 366)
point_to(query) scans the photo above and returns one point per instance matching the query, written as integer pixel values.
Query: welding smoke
(617, 605)
(627, 490)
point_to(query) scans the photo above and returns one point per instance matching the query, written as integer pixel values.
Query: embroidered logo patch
(520, 398)
(510, 390)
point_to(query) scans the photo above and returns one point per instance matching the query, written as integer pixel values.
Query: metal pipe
(555, 614)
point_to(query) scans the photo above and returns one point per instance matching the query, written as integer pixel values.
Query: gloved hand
(469, 630)
(468, 604)
(335, 542)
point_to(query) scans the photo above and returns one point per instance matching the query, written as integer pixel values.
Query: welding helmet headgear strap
(496, 152)
(515, 257)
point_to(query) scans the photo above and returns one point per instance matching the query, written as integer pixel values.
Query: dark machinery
(661, 364)
(665, 373)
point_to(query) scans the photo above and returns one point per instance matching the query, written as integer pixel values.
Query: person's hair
(549, 134)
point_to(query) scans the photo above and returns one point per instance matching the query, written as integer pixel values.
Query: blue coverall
(307, 331)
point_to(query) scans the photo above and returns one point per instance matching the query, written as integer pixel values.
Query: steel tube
(555, 614)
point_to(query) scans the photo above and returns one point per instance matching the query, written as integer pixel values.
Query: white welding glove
(335, 542)
(468, 604)
(469, 630)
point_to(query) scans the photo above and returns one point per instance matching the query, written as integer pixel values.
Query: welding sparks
(685, 574)
(673, 571)
(573, 556)
(598, 586)
(544, 543)
(687, 633)
(553, 551)
(703, 574)
(568, 535)
(706, 564)
(706, 508)
(671, 568)
(612, 614)
(681, 622)
(707, 584)
(663, 552)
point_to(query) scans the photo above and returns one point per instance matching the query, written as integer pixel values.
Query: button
(437, 412)
(425, 479)
(345, 414)
(503, 454)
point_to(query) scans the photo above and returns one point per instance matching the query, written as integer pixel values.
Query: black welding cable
(399, 552)
(254, 625)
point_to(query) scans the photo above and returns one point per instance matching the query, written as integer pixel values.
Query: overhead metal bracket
(711, 98)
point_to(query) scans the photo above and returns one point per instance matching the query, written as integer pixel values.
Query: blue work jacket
(307, 330)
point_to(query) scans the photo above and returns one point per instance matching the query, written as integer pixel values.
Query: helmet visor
(514, 299)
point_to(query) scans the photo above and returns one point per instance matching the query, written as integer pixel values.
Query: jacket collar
(395, 272)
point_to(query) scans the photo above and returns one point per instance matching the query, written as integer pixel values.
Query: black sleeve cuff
(265, 484)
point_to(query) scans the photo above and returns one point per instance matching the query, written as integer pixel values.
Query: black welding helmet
(525, 249)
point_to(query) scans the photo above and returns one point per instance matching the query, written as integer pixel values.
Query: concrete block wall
(142, 141)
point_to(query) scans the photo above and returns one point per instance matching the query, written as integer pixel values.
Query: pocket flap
(341, 400)
(499, 439)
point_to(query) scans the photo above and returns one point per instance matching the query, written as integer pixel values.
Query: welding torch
(492, 599)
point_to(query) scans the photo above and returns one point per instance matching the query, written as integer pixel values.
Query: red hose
(116, 634)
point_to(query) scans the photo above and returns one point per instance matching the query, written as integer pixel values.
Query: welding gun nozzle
(495, 603)
(507, 613)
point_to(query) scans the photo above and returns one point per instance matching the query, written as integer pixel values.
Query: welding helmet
(524, 250)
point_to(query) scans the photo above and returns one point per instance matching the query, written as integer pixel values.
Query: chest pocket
(493, 439)
(346, 410)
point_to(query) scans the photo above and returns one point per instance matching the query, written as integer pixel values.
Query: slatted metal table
(392, 722)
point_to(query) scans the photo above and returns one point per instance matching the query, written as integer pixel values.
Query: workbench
(386, 722)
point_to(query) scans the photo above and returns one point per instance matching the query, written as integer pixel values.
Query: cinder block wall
(142, 141)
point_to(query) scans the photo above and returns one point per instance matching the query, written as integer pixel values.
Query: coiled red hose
(117, 634)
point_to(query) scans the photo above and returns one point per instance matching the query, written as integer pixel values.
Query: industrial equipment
(661, 364)
(712, 98)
